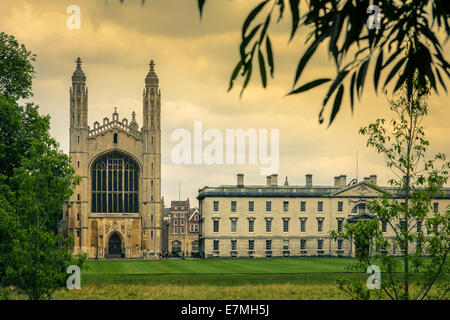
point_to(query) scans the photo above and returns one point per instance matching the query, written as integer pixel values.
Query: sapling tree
(420, 240)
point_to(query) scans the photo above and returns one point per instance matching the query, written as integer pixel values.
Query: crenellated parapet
(131, 129)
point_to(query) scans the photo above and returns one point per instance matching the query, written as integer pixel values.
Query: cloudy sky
(194, 60)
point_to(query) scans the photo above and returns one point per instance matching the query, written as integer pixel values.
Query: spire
(78, 76)
(133, 123)
(286, 183)
(152, 79)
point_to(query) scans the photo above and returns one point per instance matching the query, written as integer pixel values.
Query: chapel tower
(151, 133)
(79, 132)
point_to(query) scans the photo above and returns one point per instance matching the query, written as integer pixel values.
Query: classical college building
(116, 210)
(283, 220)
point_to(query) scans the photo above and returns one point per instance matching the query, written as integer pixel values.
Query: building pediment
(361, 189)
(359, 217)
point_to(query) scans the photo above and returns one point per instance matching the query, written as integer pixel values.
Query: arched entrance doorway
(176, 248)
(115, 246)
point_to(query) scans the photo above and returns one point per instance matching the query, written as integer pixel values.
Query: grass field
(233, 279)
(224, 266)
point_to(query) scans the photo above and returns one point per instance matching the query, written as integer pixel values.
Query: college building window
(175, 230)
(115, 184)
(251, 206)
(303, 206)
(360, 208)
(320, 244)
(268, 245)
(233, 245)
(182, 222)
(319, 225)
(216, 205)
(216, 245)
(215, 225)
(419, 225)
(233, 206)
(320, 206)
(285, 225)
(286, 244)
(339, 244)
(286, 206)
(303, 244)
(233, 225)
(339, 226)
(251, 245)
(175, 222)
(340, 206)
(268, 206)
(251, 225)
(182, 230)
(435, 207)
(302, 225)
(384, 225)
(268, 225)
(403, 225)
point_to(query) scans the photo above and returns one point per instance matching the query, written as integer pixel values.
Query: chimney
(367, 180)
(268, 180)
(336, 182)
(274, 179)
(343, 180)
(373, 178)
(240, 180)
(309, 180)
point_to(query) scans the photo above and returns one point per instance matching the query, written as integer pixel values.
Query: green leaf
(201, 4)
(235, 73)
(309, 85)
(337, 103)
(280, 3)
(269, 55)
(305, 58)
(341, 75)
(247, 79)
(247, 40)
(361, 77)
(252, 16)
(264, 29)
(262, 68)
(294, 4)
(394, 71)
(352, 90)
(377, 71)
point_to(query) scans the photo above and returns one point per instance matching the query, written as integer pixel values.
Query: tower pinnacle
(152, 79)
(78, 76)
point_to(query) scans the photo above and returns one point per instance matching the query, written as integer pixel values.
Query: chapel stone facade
(116, 210)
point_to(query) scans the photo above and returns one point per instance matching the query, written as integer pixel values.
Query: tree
(404, 25)
(418, 181)
(16, 68)
(35, 179)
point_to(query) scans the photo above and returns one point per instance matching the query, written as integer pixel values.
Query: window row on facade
(286, 225)
(302, 205)
(269, 223)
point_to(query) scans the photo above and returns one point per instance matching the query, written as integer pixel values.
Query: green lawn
(305, 271)
(222, 266)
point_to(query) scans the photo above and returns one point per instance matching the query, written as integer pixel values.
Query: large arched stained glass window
(115, 184)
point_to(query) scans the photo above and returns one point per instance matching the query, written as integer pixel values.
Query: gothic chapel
(116, 210)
